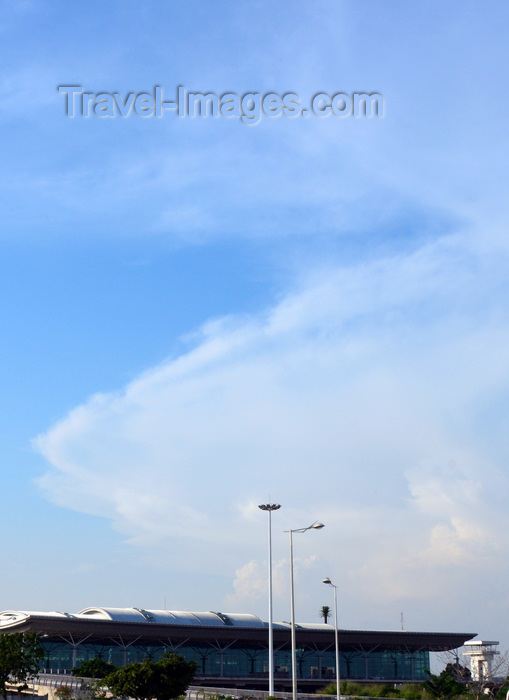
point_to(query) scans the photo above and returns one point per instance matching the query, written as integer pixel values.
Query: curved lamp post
(315, 526)
(269, 507)
(338, 679)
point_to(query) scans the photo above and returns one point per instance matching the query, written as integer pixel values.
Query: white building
(481, 656)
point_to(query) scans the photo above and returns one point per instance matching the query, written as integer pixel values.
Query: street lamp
(315, 526)
(269, 507)
(338, 680)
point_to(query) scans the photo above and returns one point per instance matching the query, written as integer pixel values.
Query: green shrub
(410, 691)
(329, 690)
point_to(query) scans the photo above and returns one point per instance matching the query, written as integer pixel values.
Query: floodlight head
(270, 506)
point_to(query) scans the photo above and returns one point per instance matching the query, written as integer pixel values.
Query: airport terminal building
(230, 650)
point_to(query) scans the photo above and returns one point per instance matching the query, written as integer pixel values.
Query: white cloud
(250, 584)
(354, 401)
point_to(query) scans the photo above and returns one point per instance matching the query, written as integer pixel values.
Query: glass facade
(246, 662)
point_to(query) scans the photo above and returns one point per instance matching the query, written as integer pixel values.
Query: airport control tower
(481, 658)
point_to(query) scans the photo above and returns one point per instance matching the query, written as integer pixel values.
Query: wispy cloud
(355, 397)
(372, 392)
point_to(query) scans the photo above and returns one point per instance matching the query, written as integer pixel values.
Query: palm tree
(325, 613)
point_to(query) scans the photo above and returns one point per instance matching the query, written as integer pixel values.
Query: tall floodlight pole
(269, 507)
(315, 526)
(338, 679)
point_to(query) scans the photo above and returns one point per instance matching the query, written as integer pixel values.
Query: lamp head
(328, 581)
(317, 525)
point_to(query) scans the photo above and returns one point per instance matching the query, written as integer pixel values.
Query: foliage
(20, 655)
(443, 687)
(410, 691)
(456, 670)
(453, 682)
(325, 613)
(371, 690)
(406, 691)
(166, 679)
(492, 685)
(94, 668)
(90, 691)
(63, 693)
(489, 686)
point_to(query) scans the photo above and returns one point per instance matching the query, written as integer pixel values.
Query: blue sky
(200, 315)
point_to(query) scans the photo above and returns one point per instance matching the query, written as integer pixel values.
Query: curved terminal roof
(170, 617)
(164, 617)
(129, 625)
(15, 617)
(178, 617)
